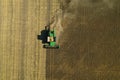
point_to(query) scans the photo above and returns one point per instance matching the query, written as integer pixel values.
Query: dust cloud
(74, 6)
(56, 23)
(74, 10)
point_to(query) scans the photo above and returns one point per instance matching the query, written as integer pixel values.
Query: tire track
(23, 18)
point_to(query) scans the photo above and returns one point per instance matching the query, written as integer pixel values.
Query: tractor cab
(51, 40)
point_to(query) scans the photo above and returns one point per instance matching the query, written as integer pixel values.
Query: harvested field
(90, 43)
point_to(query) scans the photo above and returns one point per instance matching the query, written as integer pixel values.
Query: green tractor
(51, 39)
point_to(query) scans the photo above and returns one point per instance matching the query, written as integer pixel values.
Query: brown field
(89, 44)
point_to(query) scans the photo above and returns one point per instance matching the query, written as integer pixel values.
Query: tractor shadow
(43, 36)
